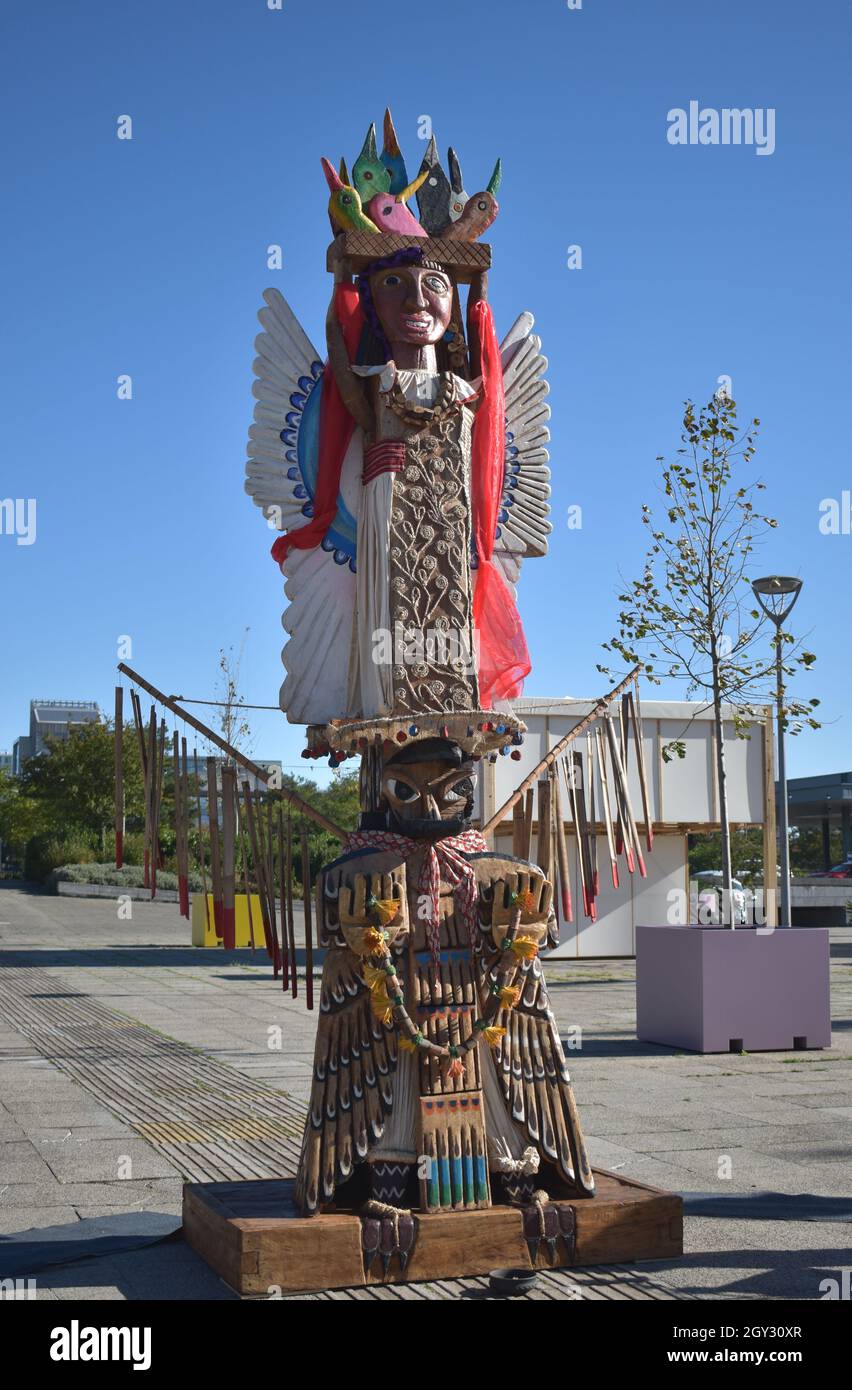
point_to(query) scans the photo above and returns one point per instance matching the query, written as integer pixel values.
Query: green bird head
(369, 175)
(344, 205)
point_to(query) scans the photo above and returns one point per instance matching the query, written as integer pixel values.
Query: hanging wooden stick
(157, 859)
(306, 901)
(259, 858)
(286, 963)
(291, 919)
(607, 808)
(593, 817)
(147, 771)
(184, 820)
(229, 787)
(545, 844)
(636, 718)
(623, 840)
(119, 776)
(518, 830)
(202, 858)
(585, 834)
(150, 803)
(631, 834)
(244, 855)
(528, 822)
(179, 824)
(215, 847)
(562, 852)
(270, 873)
(571, 786)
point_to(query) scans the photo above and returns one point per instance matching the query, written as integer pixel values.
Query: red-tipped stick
(229, 925)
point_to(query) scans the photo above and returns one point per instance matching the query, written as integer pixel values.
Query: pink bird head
(390, 214)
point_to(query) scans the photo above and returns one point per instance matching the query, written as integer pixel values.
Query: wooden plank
(356, 250)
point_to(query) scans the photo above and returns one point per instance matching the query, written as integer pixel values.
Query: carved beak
(412, 188)
(333, 179)
(496, 178)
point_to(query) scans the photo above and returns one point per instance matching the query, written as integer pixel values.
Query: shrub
(130, 876)
(47, 852)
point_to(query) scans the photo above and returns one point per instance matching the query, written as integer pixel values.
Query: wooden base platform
(252, 1236)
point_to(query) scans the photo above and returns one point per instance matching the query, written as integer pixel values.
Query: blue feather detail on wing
(301, 435)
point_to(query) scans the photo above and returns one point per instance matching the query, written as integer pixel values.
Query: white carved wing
(522, 525)
(280, 476)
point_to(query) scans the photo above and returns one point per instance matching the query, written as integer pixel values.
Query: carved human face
(414, 304)
(429, 800)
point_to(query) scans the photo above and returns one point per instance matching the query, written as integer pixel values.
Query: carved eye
(402, 791)
(392, 280)
(459, 791)
(437, 283)
(346, 197)
(388, 209)
(482, 205)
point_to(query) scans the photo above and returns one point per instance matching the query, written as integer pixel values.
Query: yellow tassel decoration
(509, 996)
(374, 978)
(382, 1006)
(407, 1045)
(524, 947)
(385, 910)
(493, 1034)
(526, 902)
(372, 942)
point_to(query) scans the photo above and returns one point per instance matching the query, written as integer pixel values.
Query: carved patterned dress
(414, 546)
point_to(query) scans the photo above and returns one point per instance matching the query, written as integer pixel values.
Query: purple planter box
(710, 989)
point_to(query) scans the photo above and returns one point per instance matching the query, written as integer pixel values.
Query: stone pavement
(130, 1061)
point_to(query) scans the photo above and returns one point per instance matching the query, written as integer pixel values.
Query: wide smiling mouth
(417, 323)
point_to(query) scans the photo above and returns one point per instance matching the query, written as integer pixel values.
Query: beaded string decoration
(380, 977)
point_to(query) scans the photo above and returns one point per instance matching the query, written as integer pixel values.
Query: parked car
(709, 897)
(843, 870)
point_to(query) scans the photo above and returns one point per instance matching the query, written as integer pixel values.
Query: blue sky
(148, 257)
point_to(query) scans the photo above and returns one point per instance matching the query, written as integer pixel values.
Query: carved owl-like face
(429, 800)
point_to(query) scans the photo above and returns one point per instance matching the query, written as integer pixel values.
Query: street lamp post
(776, 595)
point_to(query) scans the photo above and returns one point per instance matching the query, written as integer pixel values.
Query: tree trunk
(725, 827)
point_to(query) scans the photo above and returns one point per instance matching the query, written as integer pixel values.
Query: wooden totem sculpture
(408, 476)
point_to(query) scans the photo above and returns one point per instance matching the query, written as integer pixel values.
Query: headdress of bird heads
(445, 210)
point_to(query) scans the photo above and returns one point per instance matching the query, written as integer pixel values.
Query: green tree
(21, 816)
(73, 781)
(690, 617)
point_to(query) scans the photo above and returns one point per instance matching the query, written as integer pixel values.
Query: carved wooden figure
(408, 475)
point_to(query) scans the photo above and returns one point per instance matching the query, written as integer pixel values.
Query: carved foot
(548, 1222)
(386, 1231)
